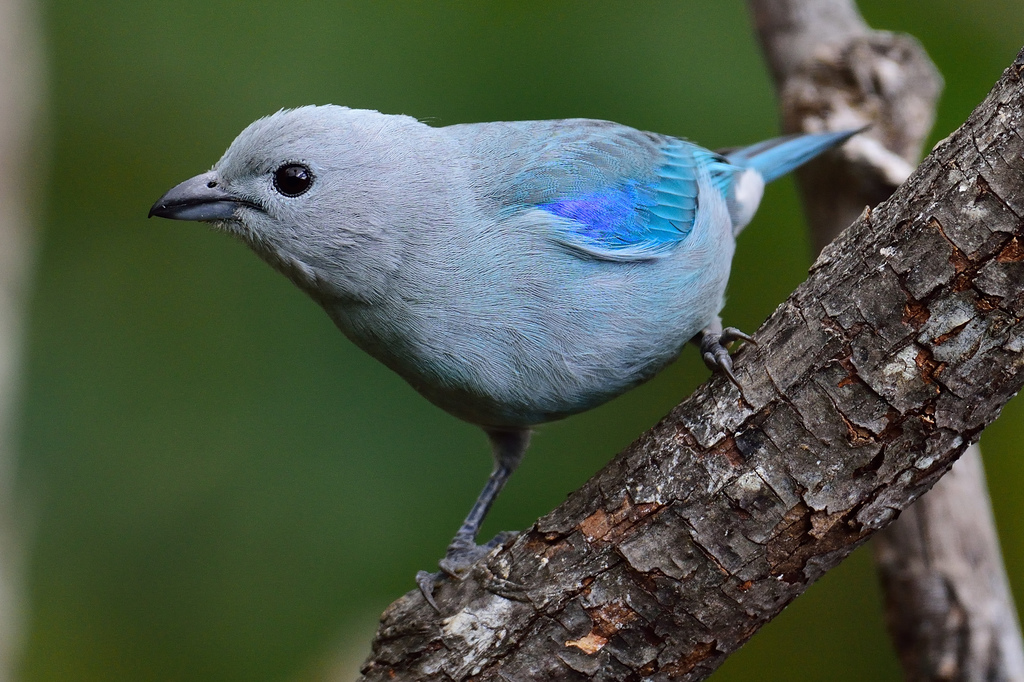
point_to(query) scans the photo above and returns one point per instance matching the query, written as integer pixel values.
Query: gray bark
(832, 73)
(949, 606)
(865, 386)
(948, 601)
(20, 79)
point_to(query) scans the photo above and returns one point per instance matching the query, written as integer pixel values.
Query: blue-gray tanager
(513, 273)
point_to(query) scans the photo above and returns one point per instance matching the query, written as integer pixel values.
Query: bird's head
(305, 189)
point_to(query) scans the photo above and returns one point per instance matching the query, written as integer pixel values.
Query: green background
(219, 485)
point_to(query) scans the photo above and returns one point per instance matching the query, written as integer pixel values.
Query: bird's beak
(198, 198)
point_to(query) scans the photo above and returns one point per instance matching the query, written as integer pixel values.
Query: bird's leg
(508, 448)
(713, 341)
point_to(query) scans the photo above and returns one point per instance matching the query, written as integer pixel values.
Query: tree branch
(948, 601)
(866, 385)
(20, 95)
(949, 606)
(832, 72)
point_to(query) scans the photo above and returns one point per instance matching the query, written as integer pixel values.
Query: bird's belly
(508, 389)
(512, 364)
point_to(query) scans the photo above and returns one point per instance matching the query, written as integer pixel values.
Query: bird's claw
(716, 355)
(426, 582)
(462, 555)
(730, 334)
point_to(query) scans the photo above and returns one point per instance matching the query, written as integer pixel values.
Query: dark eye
(292, 179)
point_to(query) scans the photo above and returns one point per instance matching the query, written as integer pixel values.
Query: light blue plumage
(512, 273)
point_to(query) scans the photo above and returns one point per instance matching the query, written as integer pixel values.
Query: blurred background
(215, 484)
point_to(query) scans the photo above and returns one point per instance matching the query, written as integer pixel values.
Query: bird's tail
(769, 160)
(775, 157)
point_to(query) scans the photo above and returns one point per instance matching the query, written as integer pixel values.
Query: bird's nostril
(211, 184)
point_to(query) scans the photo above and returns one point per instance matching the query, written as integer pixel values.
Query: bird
(513, 273)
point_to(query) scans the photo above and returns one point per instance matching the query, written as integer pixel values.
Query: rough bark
(20, 77)
(865, 386)
(948, 601)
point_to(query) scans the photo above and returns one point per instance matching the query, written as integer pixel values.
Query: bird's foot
(713, 348)
(462, 555)
(427, 581)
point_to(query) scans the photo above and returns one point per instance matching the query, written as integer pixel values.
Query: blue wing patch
(641, 220)
(609, 219)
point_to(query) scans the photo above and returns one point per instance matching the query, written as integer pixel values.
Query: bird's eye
(292, 179)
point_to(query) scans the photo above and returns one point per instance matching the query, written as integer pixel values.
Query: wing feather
(640, 217)
(606, 191)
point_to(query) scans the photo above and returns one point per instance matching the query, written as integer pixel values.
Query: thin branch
(20, 94)
(903, 344)
(949, 606)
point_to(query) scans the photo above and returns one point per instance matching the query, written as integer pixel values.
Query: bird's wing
(638, 218)
(610, 192)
